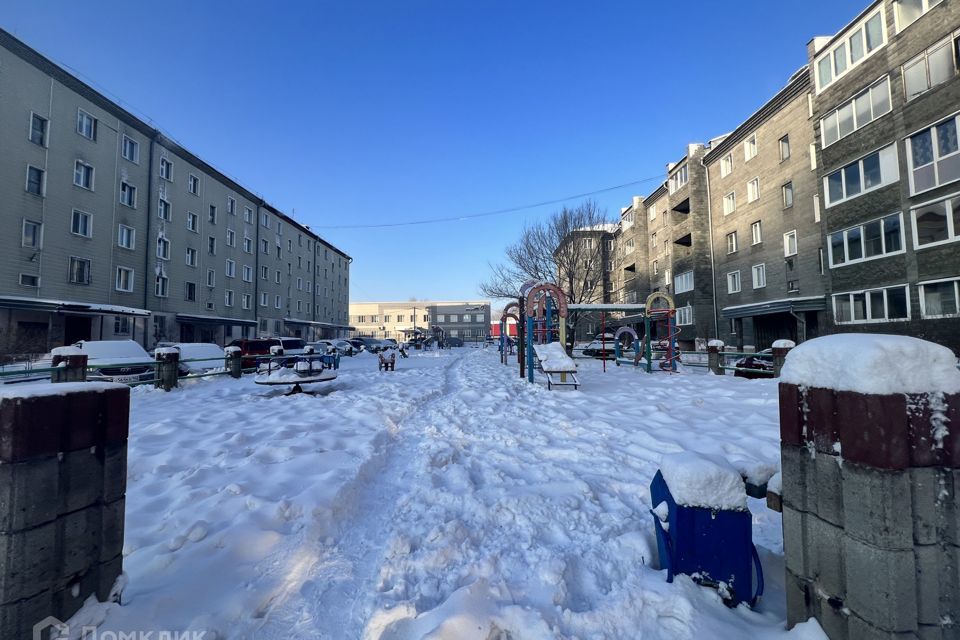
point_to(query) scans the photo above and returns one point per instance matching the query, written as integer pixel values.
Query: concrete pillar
(168, 368)
(871, 494)
(233, 362)
(780, 350)
(71, 364)
(714, 361)
(63, 455)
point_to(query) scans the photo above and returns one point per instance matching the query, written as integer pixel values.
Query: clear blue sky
(357, 112)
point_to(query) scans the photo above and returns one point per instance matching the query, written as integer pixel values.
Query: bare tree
(565, 249)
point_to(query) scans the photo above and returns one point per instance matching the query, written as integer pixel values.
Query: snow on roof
(769, 302)
(699, 480)
(86, 306)
(874, 364)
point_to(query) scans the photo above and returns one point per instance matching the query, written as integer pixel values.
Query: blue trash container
(714, 547)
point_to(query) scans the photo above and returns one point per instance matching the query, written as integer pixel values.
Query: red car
(254, 347)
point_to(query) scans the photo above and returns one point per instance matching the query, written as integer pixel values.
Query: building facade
(468, 320)
(118, 231)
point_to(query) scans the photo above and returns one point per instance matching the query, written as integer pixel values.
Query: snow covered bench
(388, 363)
(559, 368)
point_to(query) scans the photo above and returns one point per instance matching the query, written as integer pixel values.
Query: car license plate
(126, 379)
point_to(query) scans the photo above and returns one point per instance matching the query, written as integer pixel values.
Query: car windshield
(293, 343)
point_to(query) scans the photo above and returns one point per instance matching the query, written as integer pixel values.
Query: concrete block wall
(63, 472)
(871, 512)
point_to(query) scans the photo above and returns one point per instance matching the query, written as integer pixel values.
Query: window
(290, 245)
(264, 246)
(813, 156)
(193, 184)
(228, 298)
(678, 179)
(35, 181)
(871, 172)
(750, 148)
(856, 113)
(161, 286)
(874, 239)
(264, 299)
(211, 245)
(29, 280)
(38, 130)
(81, 224)
(784, 148)
(193, 222)
(279, 228)
(31, 235)
(866, 37)
(276, 302)
(247, 245)
(166, 169)
(277, 277)
(231, 238)
(211, 278)
(130, 149)
(786, 191)
(726, 165)
(163, 210)
(126, 237)
(121, 325)
(212, 214)
(264, 220)
(683, 282)
(936, 222)
(247, 273)
(124, 279)
(248, 215)
(128, 195)
(907, 11)
(875, 305)
(759, 276)
(733, 282)
(83, 175)
(79, 270)
(190, 291)
(191, 257)
(656, 267)
(163, 248)
(86, 125)
(939, 299)
(753, 190)
(931, 68)
(300, 285)
(231, 269)
(264, 273)
(934, 156)
(245, 300)
(732, 242)
(231, 206)
(684, 315)
(729, 203)
(790, 243)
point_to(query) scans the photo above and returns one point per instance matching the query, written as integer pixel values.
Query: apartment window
(276, 302)
(190, 291)
(264, 220)
(656, 267)
(231, 206)
(247, 273)
(163, 210)
(264, 299)
(931, 68)
(212, 214)
(211, 245)
(874, 239)
(726, 165)
(228, 298)
(29, 280)
(290, 245)
(121, 325)
(733, 282)
(759, 276)
(679, 179)
(211, 278)
(279, 252)
(191, 257)
(753, 190)
(161, 286)
(245, 300)
(939, 299)
(83, 175)
(130, 149)
(874, 305)
(128, 195)
(81, 224)
(683, 282)
(813, 156)
(231, 269)
(193, 184)
(31, 234)
(684, 315)
(871, 172)
(299, 284)
(126, 236)
(163, 248)
(166, 169)
(264, 246)
(264, 273)
(750, 147)
(934, 156)
(38, 130)
(35, 182)
(784, 148)
(193, 222)
(790, 243)
(279, 228)
(231, 238)
(247, 245)
(277, 276)
(908, 11)
(729, 203)
(856, 113)
(868, 36)
(937, 222)
(86, 125)
(79, 270)
(732, 242)
(124, 279)
(786, 191)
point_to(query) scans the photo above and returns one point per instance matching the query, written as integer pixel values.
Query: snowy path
(446, 500)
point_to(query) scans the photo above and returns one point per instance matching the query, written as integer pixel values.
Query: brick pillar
(233, 361)
(71, 367)
(168, 368)
(63, 457)
(780, 350)
(871, 515)
(714, 361)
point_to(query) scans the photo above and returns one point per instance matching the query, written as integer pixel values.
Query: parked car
(345, 348)
(357, 344)
(206, 356)
(251, 348)
(601, 347)
(452, 342)
(390, 342)
(324, 346)
(372, 345)
(761, 361)
(117, 361)
(293, 346)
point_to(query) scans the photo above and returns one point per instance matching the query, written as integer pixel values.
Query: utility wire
(485, 214)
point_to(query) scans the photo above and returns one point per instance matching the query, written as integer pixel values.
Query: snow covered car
(761, 361)
(345, 348)
(357, 344)
(206, 356)
(117, 361)
(372, 345)
(601, 347)
(293, 346)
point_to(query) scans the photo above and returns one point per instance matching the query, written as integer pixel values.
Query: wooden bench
(557, 366)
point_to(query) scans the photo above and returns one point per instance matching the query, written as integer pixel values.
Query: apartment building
(467, 320)
(120, 232)
(885, 104)
(631, 284)
(769, 279)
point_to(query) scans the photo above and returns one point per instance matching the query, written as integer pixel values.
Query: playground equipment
(293, 371)
(547, 294)
(663, 321)
(635, 344)
(556, 365)
(387, 363)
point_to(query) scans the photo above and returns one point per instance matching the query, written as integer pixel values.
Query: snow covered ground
(448, 499)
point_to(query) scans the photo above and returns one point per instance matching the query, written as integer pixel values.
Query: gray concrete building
(117, 231)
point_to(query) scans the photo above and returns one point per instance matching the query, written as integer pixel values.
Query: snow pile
(66, 351)
(873, 364)
(697, 480)
(166, 351)
(719, 344)
(784, 344)
(554, 358)
(775, 485)
(231, 350)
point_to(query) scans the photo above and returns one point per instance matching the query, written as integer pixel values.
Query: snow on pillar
(714, 347)
(870, 486)
(70, 364)
(780, 350)
(168, 367)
